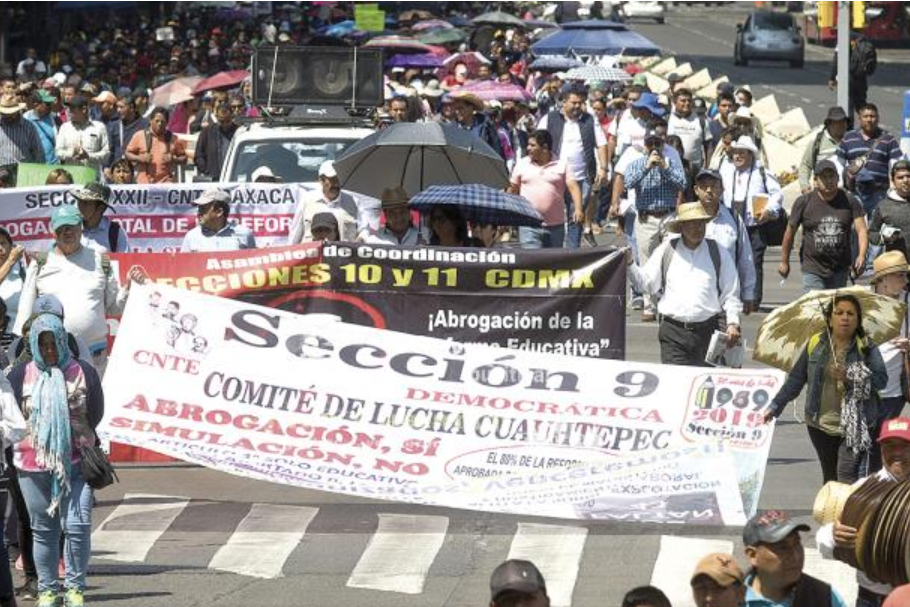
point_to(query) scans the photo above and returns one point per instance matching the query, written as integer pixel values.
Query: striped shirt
(882, 148)
(19, 142)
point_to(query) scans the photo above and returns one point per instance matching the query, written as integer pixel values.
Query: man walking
(827, 215)
(543, 179)
(329, 198)
(867, 154)
(691, 128)
(468, 109)
(890, 226)
(212, 147)
(579, 140)
(697, 282)
(823, 147)
(862, 64)
(41, 115)
(19, 140)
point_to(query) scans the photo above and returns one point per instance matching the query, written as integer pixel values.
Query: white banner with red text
(309, 401)
(155, 217)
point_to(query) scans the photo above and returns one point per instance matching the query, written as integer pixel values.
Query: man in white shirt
(579, 140)
(691, 128)
(747, 187)
(80, 140)
(329, 198)
(697, 281)
(894, 441)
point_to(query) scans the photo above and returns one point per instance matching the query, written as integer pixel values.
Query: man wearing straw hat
(894, 441)
(398, 229)
(19, 140)
(697, 281)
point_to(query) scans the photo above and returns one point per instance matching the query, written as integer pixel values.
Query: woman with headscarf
(62, 401)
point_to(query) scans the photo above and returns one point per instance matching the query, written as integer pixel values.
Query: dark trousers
(757, 239)
(685, 345)
(838, 462)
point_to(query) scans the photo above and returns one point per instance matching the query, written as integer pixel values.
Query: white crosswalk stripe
(557, 552)
(677, 557)
(400, 553)
(264, 540)
(131, 530)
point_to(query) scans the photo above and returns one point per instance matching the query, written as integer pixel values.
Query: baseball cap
(325, 219)
(78, 101)
(708, 173)
(770, 527)
(65, 215)
(45, 97)
(899, 427)
(835, 114)
(48, 304)
(725, 88)
(262, 171)
(674, 78)
(640, 80)
(825, 165)
(900, 165)
(720, 567)
(516, 575)
(104, 96)
(327, 169)
(210, 196)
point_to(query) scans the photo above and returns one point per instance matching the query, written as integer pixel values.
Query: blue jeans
(547, 237)
(574, 230)
(74, 516)
(814, 282)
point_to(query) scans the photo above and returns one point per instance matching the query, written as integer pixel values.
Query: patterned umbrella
(399, 44)
(176, 91)
(431, 24)
(221, 80)
(490, 90)
(598, 72)
(555, 64)
(784, 333)
(471, 59)
(480, 204)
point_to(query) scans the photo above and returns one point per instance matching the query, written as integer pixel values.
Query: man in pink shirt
(543, 179)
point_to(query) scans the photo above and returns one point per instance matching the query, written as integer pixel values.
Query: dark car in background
(769, 35)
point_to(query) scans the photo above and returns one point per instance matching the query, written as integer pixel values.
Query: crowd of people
(684, 180)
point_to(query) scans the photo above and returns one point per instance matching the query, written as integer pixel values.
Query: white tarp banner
(316, 403)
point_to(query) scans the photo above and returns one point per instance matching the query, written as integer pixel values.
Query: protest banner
(30, 174)
(562, 301)
(317, 403)
(156, 217)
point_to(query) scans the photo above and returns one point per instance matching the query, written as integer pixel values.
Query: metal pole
(843, 56)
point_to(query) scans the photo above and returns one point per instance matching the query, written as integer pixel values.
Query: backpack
(713, 250)
(774, 230)
(816, 147)
(867, 56)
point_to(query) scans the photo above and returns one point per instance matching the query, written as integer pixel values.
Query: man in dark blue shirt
(867, 154)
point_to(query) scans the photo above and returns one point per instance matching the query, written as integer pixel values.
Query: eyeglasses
(237, 108)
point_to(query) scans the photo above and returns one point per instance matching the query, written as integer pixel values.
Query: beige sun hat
(10, 105)
(891, 262)
(829, 503)
(690, 211)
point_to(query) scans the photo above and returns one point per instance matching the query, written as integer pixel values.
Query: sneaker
(73, 598)
(589, 239)
(47, 598)
(29, 590)
(638, 303)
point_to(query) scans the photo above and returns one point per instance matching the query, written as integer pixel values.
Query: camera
(890, 232)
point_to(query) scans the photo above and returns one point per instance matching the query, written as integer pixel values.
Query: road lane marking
(264, 540)
(130, 531)
(400, 553)
(675, 562)
(840, 575)
(557, 552)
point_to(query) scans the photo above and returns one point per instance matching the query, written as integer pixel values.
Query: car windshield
(295, 161)
(772, 21)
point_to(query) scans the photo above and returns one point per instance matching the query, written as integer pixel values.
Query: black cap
(770, 527)
(325, 219)
(674, 78)
(708, 174)
(725, 88)
(835, 114)
(824, 165)
(516, 575)
(78, 101)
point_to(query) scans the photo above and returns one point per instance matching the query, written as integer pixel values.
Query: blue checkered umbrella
(480, 204)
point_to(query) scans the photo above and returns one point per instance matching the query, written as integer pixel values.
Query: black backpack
(867, 56)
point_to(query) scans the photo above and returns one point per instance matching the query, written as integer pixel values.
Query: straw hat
(829, 503)
(891, 262)
(394, 197)
(690, 211)
(469, 98)
(10, 105)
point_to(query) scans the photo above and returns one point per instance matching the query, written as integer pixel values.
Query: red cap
(899, 427)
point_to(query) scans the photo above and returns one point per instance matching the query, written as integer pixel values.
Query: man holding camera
(891, 219)
(827, 215)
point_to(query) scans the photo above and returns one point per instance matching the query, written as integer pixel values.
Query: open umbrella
(481, 204)
(176, 91)
(421, 61)
(499, 19)
(431, 24)
(416, 155)
(491, 90)
(598, 72)
(414, 15)
(442, 37)
(399, 44)
(552, 64)
(471, 59)
(221, 80)
(595, 37)
(785, 331)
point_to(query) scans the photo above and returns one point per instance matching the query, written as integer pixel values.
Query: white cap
(48, 304)
(212, 195)
(262, 171)
(743, 112)
(327, 169)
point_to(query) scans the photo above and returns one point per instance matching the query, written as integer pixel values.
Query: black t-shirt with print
(826, 231)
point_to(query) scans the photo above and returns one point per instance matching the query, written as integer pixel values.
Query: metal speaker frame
(318, 75)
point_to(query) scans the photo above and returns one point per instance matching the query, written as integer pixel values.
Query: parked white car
(643, 9)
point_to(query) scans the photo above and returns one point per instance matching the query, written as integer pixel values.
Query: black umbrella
(498, 18)
(417, 155)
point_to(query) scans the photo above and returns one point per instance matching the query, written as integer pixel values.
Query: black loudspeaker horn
(317, 75)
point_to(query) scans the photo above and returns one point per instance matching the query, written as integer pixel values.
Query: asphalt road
(152, 550)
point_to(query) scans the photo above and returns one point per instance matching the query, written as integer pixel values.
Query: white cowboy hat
(744, 143)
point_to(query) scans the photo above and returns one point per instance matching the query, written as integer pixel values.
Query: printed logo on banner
(728, 408)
